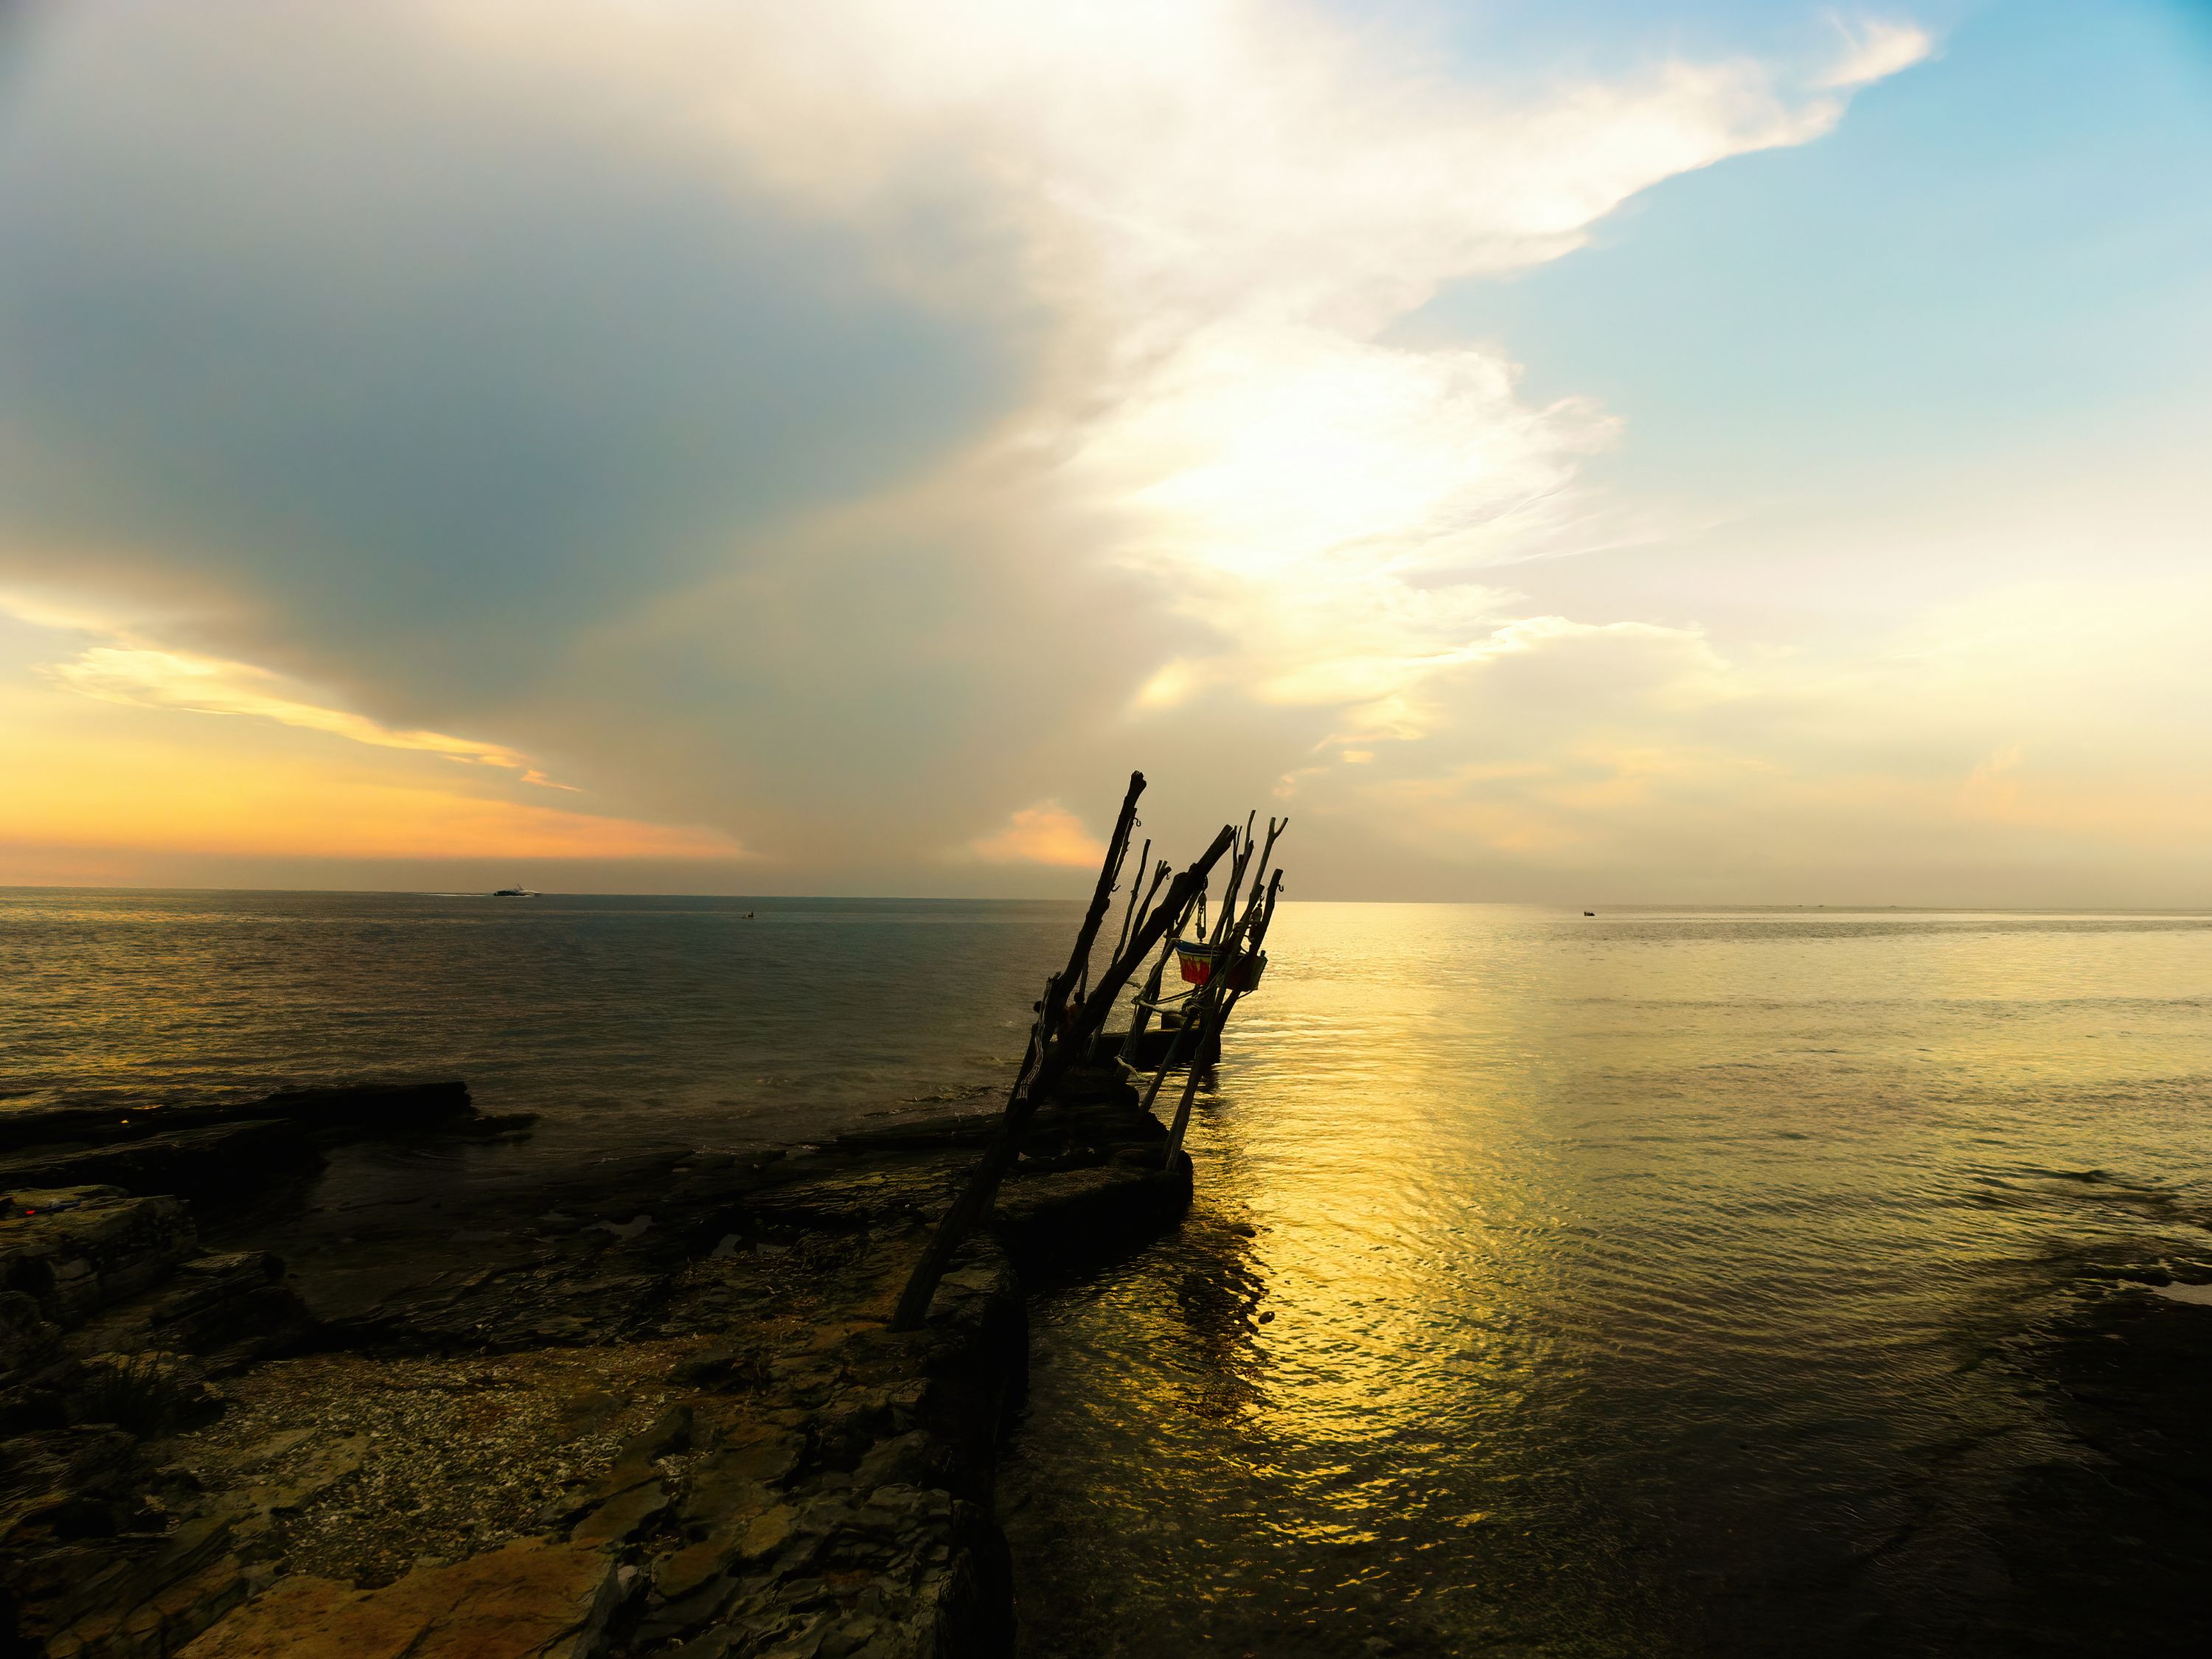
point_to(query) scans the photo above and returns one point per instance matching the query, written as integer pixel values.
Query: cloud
(1634, 762)
(403, 373)
(96, 766)
(1047, 833)
(164, 679)
(1218, 209)
(837, 423)
(1875, 49)
(90, 773)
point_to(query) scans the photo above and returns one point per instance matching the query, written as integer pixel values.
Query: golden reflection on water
(1632, 1283)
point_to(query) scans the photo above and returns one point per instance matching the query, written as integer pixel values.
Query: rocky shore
(649, 1407)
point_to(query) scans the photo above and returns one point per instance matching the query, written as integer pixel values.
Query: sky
(1606, 450)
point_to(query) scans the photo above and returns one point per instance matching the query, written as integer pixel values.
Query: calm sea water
(1651, 1284)
(626, 1021)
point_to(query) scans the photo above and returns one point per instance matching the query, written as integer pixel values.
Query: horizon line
(1837, 905)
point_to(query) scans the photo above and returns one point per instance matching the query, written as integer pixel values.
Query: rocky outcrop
(112, 1323)
(652, 1407)
(109, 1310)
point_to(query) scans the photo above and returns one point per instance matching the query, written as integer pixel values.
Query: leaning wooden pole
(1186, 1047)
(1064, 1035)
(1140, 1012)
(1236, 879)
(1129, 915)
(1268, 850)
(1102, 900)
(1216, 1014)
(1172, 1050)
(1267, 917)
(1161, 871)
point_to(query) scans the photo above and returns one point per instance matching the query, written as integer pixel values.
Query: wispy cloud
(205, 685)
(1875, 49)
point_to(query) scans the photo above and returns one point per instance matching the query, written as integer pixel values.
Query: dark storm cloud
(412, 370)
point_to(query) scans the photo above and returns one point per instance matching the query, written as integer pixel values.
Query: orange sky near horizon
(113, 777)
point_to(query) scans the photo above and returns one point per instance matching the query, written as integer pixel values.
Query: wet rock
(491, 1126)
(668, 1433)
(140, 1592)
(964, 1129)
(681, 1575)
(846, 1194)
(769, 1532)
(161, 1624)
(219, 1153)
(27, 1339)
(371, 1109)
(1067, 1221)
(545, 1302)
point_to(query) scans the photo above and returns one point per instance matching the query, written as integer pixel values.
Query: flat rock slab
(529, 1601)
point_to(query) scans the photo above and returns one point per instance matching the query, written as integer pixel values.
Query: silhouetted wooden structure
(1167, 1033)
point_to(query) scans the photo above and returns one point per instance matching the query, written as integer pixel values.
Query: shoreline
(649, 1407)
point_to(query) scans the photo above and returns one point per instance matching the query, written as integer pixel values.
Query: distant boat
(1590, 913)
(514, 892)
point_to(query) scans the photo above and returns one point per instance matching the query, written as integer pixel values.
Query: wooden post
(1062, 1037)
(1216, 1013)
(1129, 915)
(1078, 959)
(1236, 877)
(1140, 1014)
(1267, 917)
(1161, 871)
(1274, 830)
(1189, 1039)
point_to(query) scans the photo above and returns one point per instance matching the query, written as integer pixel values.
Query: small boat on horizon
(514, 892)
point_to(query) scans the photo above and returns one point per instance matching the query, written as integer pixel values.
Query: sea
(1658, 1282)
